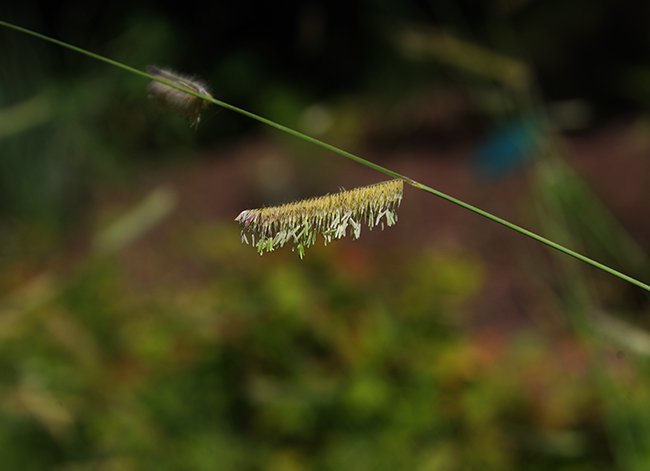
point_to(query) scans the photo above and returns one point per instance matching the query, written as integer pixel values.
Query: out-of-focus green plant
(291, 366)
(52, 160)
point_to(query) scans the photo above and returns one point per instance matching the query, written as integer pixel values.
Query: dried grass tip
(330, 215)
(185, 103)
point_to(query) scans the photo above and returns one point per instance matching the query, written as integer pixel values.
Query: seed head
(330, 216)
(188, 105)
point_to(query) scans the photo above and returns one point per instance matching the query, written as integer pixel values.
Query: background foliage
(136, 332)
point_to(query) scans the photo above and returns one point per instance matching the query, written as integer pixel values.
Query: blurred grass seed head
(184, 103)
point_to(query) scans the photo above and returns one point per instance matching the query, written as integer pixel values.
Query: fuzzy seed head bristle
(332, 216)
(184, 103)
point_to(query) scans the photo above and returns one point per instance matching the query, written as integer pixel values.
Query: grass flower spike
(189, 105)
(330, 215)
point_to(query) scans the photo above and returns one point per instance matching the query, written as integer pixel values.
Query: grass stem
(343, 153)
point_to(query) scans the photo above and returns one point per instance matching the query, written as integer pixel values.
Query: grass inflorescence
(332, 216)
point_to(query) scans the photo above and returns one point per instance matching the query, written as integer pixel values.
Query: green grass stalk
(343, 153)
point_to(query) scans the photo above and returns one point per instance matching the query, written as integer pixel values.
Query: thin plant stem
(341, 152)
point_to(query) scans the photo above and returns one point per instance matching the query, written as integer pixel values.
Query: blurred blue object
(507, 148)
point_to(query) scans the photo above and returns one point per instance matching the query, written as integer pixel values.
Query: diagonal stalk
(341, 152)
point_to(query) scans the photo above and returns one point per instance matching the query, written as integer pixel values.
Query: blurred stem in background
(15, 308)
(569, 212)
